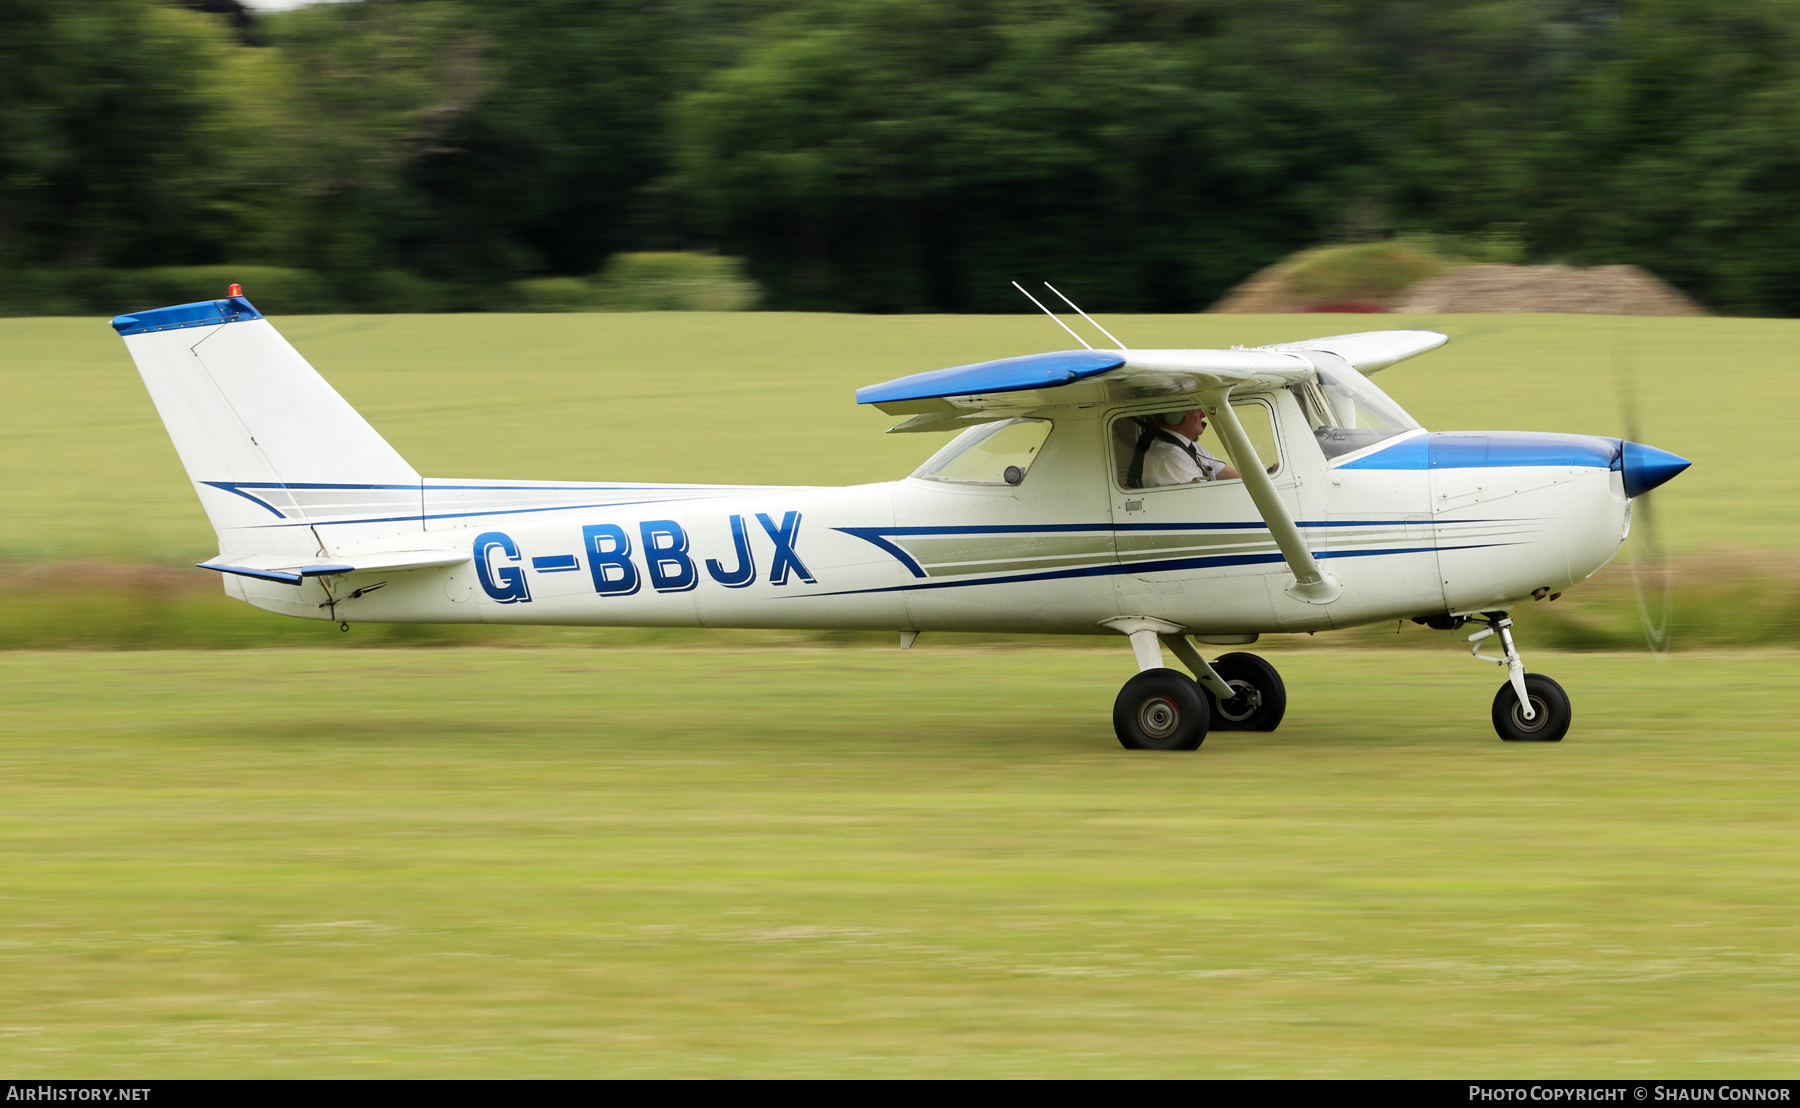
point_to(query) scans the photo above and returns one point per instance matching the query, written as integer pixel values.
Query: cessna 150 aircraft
(1031, 519)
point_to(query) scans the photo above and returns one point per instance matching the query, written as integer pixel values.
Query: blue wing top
(1086, 376)
(1032, 371)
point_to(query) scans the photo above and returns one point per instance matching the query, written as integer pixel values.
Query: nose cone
(1645, 467)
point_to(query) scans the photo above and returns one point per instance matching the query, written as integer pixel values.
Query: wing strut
(1311, 583)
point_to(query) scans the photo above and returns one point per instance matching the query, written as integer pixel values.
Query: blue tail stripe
(202, 313)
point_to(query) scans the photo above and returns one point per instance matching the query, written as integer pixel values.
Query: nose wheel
(1549, 720)
(1529, 708)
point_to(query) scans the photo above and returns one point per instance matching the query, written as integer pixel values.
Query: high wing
(1067, 377)
(1369, 351)
(945, 398)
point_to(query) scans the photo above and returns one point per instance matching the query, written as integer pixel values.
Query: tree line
(898, 155)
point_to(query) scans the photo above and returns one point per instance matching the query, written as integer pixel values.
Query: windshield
(997, 453)
(1347, 412)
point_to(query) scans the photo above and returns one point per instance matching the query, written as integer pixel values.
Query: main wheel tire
(1261, 699)
(1161, 709)
(1549, 705)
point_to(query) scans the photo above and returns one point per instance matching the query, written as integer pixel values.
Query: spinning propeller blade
(1652, 582)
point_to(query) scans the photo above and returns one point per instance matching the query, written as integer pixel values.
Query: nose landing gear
(1529, 707)
(1550, 713)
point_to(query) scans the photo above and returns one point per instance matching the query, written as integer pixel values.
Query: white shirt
(1167, 464)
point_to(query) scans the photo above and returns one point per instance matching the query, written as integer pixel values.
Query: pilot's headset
(1165, 419)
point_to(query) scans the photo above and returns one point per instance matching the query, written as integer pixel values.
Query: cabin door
(1206, 528)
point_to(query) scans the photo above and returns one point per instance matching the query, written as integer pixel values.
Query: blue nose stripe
(1646, 467)
(1483, 449)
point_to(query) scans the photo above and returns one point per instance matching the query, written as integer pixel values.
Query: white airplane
(1031, 519)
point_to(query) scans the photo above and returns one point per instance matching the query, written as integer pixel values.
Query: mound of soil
(1602, 290)
(1264, 293)
(1347, 277)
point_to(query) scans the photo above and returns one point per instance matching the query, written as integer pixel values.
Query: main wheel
(1160, 709)
(1549, 706)
(1261, 698)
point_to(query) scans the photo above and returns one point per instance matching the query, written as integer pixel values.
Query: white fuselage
(1417, 525)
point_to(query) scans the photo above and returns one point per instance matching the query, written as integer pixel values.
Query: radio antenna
(1052, 315)
(1084, 315)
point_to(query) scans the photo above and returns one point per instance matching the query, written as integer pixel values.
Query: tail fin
(281, 462)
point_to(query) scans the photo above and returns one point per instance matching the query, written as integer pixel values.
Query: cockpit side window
(998, 453)
(1133, 436)
(1347, 412)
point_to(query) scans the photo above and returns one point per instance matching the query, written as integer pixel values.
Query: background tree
(896, 155)
(909, 155)
(1679, 150)
(104, 116)
(337, 114)
(565, 162)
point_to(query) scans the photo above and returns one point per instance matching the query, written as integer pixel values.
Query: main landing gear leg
(1529, 707)
(1159, 709)
(1243, 691)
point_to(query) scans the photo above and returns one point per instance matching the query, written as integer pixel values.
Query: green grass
(848, 861)
(1728, 599)
(656, 853)
(766, 397)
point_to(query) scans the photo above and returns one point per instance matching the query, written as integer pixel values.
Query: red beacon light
(235, 290)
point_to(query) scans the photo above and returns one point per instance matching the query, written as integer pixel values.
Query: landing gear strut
(1260, 700)
(1162, 709)
(1529, 707)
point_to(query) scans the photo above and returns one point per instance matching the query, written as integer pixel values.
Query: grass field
(657, 853)
(851, 861)
(766, 397)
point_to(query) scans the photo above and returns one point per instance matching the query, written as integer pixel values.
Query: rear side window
(999, 453)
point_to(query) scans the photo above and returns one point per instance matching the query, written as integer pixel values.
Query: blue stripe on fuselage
(1498, 449)
(879, 536)
(1114, 569)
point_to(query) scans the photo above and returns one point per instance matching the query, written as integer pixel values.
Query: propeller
(1646, 556)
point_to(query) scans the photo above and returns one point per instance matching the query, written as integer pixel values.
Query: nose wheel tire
(1161, 709)
(1549, 706)
(1261, 698)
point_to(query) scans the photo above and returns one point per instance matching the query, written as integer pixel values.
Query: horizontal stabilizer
(288, 570)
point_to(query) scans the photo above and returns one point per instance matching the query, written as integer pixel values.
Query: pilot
(1169, 454)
